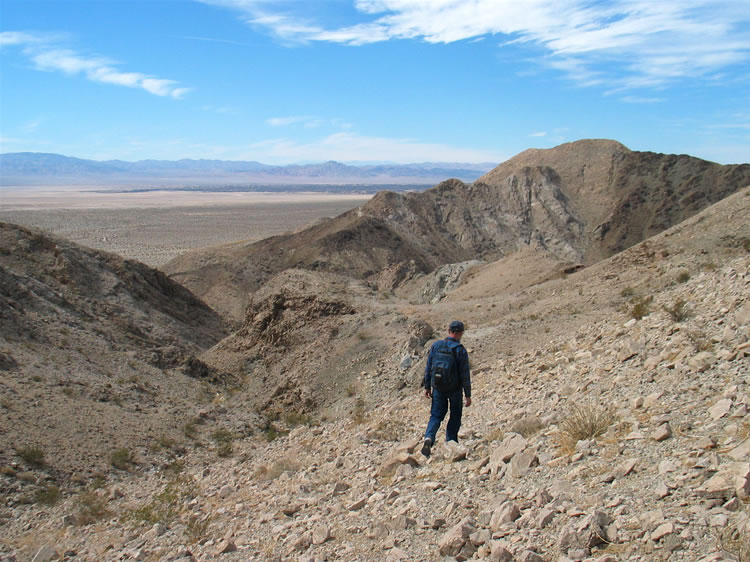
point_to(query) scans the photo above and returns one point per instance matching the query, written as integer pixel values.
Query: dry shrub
(641, 307)
(527, 426)
(91, 508)
(734, 540)
(33, 456)
(496, 434)
(678, 311)
(276, 469)
(584, 421)
(49, 495)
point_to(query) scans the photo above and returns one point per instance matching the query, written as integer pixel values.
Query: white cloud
(44, 52)
(539, 134)
(625, 43)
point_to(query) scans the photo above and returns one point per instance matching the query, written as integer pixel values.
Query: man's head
(456, 329)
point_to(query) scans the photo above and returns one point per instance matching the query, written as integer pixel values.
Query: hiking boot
(426, 447)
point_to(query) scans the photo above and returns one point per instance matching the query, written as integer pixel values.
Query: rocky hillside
(96, 352)
(579, 202)
(610, 423)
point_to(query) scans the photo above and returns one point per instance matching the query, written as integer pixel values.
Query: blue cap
(456, 326)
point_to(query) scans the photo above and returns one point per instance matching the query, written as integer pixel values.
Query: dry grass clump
(49, 495)
(678, 311)
(121, 459)
(276, 469)
(734, 540)
(527, 426)
(165, 506)
(641, 307)
(584, 421)
(92, 507)
(33, 456)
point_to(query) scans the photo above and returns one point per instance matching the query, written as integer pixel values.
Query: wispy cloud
(538, 134)
(640, 99)
(46, 54)
(307, 121)
(623, 43)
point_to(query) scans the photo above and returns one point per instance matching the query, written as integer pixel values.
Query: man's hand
(428, 392)
(468, 401)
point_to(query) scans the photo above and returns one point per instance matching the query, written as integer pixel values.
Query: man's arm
(427, 380)
(464, 370)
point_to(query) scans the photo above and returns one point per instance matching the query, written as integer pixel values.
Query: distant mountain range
(35, 168)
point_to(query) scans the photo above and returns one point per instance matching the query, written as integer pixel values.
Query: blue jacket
(462, 362)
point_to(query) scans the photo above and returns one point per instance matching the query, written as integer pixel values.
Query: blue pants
(440, 403)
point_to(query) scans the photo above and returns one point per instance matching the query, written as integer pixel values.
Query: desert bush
(163, 442)
(496, 434)
(49, 495)
(627, 292)
(7, 471)
(700, 341)
(223, 439)
(225, 450)
(223, 436)
(295, 418)
(33, 456)
(683, 277)
(678, 311)
(584, 421)
(165, 506)
(641, 307)
(746, 244)
(197, 528)
(527, 426)
(359, 412)
(91, 508)
(121, 459)
(189, 430)
(276, 469)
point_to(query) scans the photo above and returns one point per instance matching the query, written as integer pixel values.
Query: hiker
(446, 380)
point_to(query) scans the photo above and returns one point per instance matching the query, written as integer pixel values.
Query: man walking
(446, 379)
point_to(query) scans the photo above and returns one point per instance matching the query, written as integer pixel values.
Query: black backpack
(444, 371)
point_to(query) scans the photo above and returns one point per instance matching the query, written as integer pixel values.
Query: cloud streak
(623, 43)
(46, 55)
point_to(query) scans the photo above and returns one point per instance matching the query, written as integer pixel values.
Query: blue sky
(287, 81)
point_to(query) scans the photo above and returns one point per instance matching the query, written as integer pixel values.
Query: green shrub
(189, 430)
(91, 508)
(33, 456)
(49, 495)
(165, 506)
(641, 307)
(223, 436)
(683, 277)
(121, 459)
(627, 292)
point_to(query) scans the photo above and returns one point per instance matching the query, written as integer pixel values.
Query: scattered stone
(662, 531)
(731, 479)
(663, 432)
(720, 409)
(225, 547)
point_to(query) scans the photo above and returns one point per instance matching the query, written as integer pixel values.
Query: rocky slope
(96, 352)
(654, 342)
(579, 202)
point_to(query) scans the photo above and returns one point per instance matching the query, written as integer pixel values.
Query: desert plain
(155, 226)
